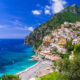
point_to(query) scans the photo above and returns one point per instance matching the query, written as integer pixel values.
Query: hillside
(69, 14)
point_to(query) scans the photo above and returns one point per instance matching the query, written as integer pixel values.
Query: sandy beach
(39, 69)
(28, 68)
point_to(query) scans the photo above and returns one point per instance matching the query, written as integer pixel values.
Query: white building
(66, 23)
(77, 24)
(75, 41)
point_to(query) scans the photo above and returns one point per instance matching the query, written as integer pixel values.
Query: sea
(15, 56)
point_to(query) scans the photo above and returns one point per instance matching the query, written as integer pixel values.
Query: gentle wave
(14, 56)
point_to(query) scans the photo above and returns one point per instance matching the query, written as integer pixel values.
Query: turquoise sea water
(14, 56)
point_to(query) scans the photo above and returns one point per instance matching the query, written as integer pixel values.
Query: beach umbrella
(27, 71)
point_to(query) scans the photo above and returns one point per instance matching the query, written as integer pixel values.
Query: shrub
(78, 34)
(37, 44)
(77, 49)
(69, 46)
(9, 77)
(64, 56)
(54, 76)
(54, 51)
(70, 67)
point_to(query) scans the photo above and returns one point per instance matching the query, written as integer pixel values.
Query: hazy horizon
(20, 17)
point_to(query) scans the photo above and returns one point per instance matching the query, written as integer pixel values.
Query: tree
(70, 67)
(54, 51)
(69, 46)
(77, 49)
(3, 77)
(9, 77)
(37, 44)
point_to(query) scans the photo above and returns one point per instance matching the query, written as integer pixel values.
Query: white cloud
(37, 12)
(2, 27)
(25, 28)
(30, 28)
(55, 6)
(17, 25)
(47, 11)
(58, 5)
(47, 7)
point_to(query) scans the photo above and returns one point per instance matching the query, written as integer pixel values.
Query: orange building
(52, 57)
(62, 41)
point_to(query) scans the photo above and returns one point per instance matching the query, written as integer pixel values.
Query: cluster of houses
(56, 41)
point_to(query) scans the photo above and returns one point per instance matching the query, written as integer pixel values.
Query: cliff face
(69, 14)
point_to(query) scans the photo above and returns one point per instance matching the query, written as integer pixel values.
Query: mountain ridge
(69, 14)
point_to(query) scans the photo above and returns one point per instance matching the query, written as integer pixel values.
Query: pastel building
(77, 24)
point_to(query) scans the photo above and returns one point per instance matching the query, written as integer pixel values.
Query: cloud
(47, 10)
(37, 12)
(25, 28)
(47, 7)
(30, 28)
(55, 6)
(17, 25)
(2, 27)
(16, 22)
(58, 5)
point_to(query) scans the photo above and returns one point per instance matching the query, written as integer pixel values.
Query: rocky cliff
(69, 14)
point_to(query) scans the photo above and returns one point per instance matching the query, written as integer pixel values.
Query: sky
(18, 18)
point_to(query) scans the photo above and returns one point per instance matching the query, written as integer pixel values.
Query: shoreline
(28, 68)
(39, 69)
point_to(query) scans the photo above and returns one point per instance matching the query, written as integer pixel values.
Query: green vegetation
(37, 44)
(78, 34)
(71, 68)
(76, 29)
(54, 51)
(69, 46)
(54, 76)
(66, 69)
(67, 14)
(76, 50)
(74, 8)
(9, 77)
(64, 56)
(60, 18)
(37, 78)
